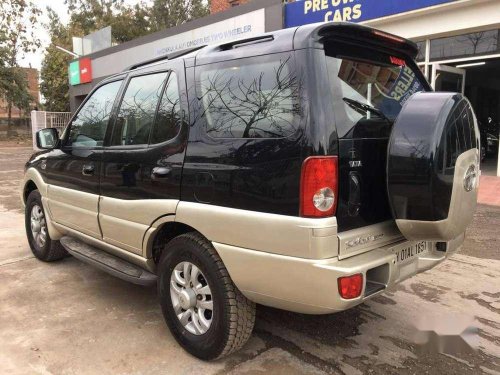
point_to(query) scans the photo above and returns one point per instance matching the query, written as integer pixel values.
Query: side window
(137, 110)
(89, 126)
(168, 119)
(259, 99)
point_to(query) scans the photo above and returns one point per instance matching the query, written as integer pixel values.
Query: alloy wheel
(191, 298)
(38, 225)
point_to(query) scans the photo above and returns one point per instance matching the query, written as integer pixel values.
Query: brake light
(319, 186)
(388, 36)
(397, 61)
(350, 286)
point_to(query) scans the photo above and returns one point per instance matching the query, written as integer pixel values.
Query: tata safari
(308, 169)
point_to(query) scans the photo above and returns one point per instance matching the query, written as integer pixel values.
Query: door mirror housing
(47, 139)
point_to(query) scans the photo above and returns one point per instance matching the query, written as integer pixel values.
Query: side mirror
(47, 139)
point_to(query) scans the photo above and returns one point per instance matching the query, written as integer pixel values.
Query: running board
(107, 262)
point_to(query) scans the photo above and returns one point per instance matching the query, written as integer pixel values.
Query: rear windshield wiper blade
(365, 107)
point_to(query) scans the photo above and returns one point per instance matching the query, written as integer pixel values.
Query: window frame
(164, 89)
(254, 60)
(67, 130)
(121, 95)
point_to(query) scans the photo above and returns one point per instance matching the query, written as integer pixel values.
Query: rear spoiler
(316, 34)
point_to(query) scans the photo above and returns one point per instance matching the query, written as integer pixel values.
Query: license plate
(409, 251)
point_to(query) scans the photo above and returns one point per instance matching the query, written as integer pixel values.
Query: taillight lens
(350, 286)
(319, 186)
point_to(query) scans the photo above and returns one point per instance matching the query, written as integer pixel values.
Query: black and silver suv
(307, 169)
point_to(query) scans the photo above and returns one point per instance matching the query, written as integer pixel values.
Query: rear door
(142, 161)
(369, 86)
(73, 171)
(245, 147)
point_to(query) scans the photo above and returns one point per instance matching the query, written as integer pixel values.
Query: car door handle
(88, 169)
(160, 172)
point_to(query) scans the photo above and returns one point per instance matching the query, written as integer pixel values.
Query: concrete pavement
(69, 318)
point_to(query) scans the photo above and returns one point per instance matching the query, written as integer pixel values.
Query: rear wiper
(354, 104)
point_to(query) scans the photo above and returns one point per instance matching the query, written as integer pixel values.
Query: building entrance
(482, 87)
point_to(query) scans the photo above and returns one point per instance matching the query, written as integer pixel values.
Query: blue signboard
(310, 11)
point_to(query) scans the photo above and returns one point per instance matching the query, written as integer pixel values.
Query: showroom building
(458, 42)
(238, 22)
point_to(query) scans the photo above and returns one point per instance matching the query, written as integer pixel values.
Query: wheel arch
(29, 186)
(32, 180)
(156, 240)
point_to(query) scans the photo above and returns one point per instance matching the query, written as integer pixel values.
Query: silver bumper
(310, 286)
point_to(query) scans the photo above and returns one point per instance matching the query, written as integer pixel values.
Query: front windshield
(368, 85)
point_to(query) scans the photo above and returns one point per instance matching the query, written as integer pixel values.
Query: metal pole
(498, 158)
(69, 52)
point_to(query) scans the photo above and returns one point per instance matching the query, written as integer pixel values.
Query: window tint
(168, 118)
(137, 110)
(89, 126)
(257, 100)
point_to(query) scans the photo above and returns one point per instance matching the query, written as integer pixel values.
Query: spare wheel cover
(433, 166)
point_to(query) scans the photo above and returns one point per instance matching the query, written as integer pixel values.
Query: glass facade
(421, 51)
(472, 44)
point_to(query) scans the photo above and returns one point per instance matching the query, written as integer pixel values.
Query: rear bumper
(310, 286)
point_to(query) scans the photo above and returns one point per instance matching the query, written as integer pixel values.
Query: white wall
(442, 20)
(249, 24)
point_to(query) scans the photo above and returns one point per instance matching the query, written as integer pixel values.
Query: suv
(307, 169)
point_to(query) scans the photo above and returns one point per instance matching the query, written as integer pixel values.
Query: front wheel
(204, 310)
(42, 246)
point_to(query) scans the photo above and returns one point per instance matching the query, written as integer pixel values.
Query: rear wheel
(42, 246)
(204, 310)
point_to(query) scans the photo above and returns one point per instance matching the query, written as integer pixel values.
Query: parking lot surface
(69, 318)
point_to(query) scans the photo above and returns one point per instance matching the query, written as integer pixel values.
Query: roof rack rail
(246, 42)
(169, 56)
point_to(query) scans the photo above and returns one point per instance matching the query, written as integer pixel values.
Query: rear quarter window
(250, 98)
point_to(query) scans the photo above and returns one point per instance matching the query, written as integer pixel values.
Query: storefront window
(478, 43)
(421, 51)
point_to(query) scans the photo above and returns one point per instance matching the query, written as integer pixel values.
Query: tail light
(319, 186)
(351, 286)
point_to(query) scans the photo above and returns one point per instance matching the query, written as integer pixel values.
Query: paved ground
(69, 318)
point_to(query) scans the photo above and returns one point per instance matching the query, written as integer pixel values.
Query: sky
(35, 59)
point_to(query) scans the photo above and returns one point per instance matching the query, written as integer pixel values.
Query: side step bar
(107, 262)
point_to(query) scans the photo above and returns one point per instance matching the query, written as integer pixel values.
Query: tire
(42, 246)
(232, 316)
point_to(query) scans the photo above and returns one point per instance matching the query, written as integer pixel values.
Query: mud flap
(433, 166)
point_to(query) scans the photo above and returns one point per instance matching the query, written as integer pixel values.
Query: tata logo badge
(470, 178)
(355, 163)
(353, 154)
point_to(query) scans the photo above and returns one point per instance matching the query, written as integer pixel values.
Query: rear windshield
(368, 85)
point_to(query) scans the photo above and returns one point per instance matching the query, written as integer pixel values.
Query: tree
(170, 13)
(17, 36)
(54, 72)
(87, 16)
(127, 23)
